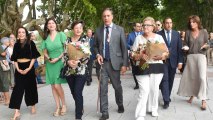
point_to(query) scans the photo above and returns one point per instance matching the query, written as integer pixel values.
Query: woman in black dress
(24, 55)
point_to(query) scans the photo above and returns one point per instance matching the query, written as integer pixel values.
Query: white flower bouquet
(78, 50)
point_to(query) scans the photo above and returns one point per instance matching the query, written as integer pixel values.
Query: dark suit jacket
(91, 42)
(117, 45)
(175, 49)
(131, 39)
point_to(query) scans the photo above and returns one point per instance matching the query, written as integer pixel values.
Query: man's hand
(123, 69)
(180, 66)
(100, 59)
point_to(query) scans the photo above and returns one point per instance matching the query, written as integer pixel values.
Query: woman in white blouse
(150, 77)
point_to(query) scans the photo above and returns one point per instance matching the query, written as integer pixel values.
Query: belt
(23, 60)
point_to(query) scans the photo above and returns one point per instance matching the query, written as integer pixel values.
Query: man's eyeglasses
(148, 25)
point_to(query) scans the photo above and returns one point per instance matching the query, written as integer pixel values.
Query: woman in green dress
(53, 49)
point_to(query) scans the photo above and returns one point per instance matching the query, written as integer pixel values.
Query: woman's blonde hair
(150, 19)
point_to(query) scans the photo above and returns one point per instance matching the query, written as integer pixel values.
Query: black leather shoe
(166, 105)
(88, 83)
(120, 109)
(104, 117)
(136, 87)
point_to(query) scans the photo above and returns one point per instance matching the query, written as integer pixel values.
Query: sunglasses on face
(158, 24)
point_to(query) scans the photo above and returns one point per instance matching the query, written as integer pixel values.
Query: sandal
(190, 99)
(57, 112)
(16, 117)
(63, 110)
(203, 107)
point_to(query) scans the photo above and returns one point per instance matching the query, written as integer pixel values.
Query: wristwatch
(49, 58)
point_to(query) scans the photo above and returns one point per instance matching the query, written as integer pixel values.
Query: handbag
(40, 70)
(5, 65)
(63, 72)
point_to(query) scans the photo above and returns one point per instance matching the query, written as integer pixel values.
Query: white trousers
(148, 94)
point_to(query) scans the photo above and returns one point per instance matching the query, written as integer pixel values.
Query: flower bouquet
(155, 49)
(151, 49)
(140, 50)
(78, 50)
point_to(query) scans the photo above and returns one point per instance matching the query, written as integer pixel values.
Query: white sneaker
(155, 114)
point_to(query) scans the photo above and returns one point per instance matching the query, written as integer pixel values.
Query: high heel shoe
(63, 110)
(190, 99)
(203, 107)
(16, 117)
(57, 112)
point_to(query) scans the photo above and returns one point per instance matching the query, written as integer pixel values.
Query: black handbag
(63, 72)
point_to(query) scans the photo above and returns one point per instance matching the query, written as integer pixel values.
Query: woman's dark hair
(27, 40)
(46, 30)
(77, 22)
(196, 19)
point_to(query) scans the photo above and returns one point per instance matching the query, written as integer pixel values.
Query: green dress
(54, 49)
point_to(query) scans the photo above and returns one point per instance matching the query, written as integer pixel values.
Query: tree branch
(50, 8)
(22, 6)
(81, 13)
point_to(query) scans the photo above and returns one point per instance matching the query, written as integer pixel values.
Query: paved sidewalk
(179, 109)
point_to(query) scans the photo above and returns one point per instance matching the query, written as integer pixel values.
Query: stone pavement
(179, 109)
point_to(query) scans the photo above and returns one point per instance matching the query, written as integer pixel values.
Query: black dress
(24, 83)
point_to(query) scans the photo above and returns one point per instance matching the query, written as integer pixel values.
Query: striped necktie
(107, 53)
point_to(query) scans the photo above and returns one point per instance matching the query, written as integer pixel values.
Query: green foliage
(126, 12)
(180, 10)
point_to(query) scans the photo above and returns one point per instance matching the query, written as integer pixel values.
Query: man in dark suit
(92, 56)
(130, 41)
(111, 52)
(175, 59)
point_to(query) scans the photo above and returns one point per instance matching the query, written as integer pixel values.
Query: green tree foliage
(126, 12)
(180, 10)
